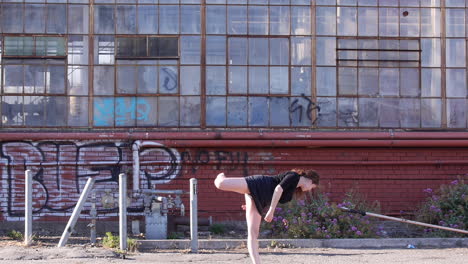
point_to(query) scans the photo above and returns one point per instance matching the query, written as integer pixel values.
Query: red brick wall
(395, 177)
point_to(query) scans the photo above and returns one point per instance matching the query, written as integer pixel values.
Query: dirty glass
(216, 111)
(216, 50)
(279, 20)
(456, 113)
(237, 111)
(190, 109)
(258, 111)
(368, 112)
(77, 79)
(279, 114)
(168, 111)
(190, 80)
(77, 111)
(125, 17)
(215, 20)
(216, 80)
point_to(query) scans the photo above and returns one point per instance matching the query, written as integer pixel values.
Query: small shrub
(447, 206)
(113, 242)
(217, 229)
(16, 235)
(316, 217)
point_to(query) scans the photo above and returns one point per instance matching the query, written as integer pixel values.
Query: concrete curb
(368, 243)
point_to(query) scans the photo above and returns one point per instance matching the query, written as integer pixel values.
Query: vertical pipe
(123, 211)
(28, 208)
(193, 216)
(136, 165)
(76, 212)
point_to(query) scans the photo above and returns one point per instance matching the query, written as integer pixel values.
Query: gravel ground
(12, 252)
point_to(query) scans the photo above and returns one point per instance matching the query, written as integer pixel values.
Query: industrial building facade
(370, 93)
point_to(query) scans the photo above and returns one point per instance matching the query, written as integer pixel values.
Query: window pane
(409, 78)
(347, 21)
(456, 83)
(12, 18)
(190, 19)
(409, 24)
(237, 20)
(103, 111)
(19, 46)
(237, 111)
(238, 51)
(431, 82)
(301, 80)
(410, 112)
(347, 112)
(300, 111)
(168, 19)
(456, 52)
(389, 81)
(56, 111)
(168, 80)
(431, 112)
(56, 19)
(12, 110)
(327, 115)
(104, 50)
(34, 78)
(391, 118)
(126, 79)
(258, 20)
(455, 21)
(216, 80)
(147, 79)
(216, 111)
(125, 111)
(55, 79)
(13, 79)
(258, 80)
(367, 22)
(190, 80)
(258, 111)
(300, 51)
(279, 20)
(104, 19)
(78, 111)
(168, 111)
(215, 19)
(456, 113)
(190, 50)
(258, 51)
(237, 80)
(147, 19)
(300, 20)
(78, 17)
(215, 50)
(326, 20)
(279, 114)
(147, 111)
(78, 80)
(35, 22)
(126, 19)
(388, 21)
(326, 81)
(78, 49)
(103, 80)
(347, 81)
(167, 46)
(430, 56)
(34, 114)
(279, 80)
(368, 81)
(430, 22)
(190, 110)
(326, 51)
(368, 112)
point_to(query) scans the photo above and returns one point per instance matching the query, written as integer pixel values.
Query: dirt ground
(80, 251)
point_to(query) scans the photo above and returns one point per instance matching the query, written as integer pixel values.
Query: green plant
(111, 241)
(175, 235)
(447, 206)
(217, 229)
(316, 217)
(16, 235)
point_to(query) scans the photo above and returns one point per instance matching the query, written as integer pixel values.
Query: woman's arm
(274, 202)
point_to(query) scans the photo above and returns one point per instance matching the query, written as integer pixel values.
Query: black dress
(262, 188)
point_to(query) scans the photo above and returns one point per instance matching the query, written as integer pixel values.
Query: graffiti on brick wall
(228, 159)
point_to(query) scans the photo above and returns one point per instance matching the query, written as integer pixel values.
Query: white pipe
(193, 216)
(28, 208)
(76, 212)
(136, 164)
(406, 221)
(123, 211)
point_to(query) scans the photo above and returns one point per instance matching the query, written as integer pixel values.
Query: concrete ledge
(369, 243)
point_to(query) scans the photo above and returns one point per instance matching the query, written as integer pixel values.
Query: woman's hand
(269, 215)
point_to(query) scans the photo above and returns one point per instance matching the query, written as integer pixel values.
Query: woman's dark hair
(309, 174)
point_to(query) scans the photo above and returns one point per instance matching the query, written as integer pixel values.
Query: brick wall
(395, 177)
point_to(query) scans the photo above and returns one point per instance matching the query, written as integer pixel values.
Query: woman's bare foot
(219, 179)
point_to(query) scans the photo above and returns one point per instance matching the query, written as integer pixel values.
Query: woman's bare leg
(253, 228)
(237, 184)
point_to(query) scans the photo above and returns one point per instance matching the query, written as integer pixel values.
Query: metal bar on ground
(193, 216)
(123, 211)
(76, 212)
(28, 208)
(405, 220)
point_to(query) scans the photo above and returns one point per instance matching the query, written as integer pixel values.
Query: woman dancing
(263, 191)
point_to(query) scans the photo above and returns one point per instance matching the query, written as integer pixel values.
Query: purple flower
(455, 182)
(358, 233)
(428, 190)
(354, 228)
(275, 219)
(278, 209)
(301, 202)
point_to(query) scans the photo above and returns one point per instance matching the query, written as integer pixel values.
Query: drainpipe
(136, 165)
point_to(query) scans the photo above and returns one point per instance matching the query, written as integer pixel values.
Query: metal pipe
(404, 220)
(123, 211)
(28, 208)
(193, 216)
(136, 165)
(76, 212)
